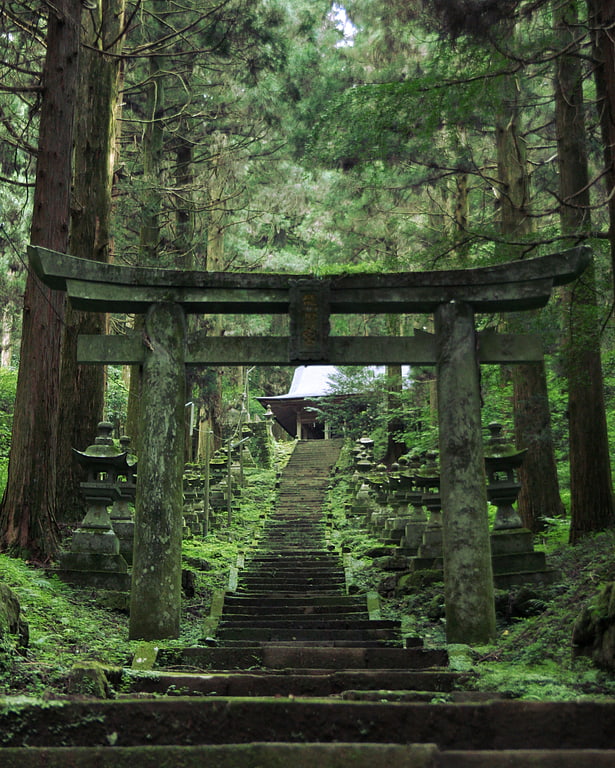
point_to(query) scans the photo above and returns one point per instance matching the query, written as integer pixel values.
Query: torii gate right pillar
(468, 579)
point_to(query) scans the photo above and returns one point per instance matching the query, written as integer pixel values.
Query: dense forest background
(306, 137)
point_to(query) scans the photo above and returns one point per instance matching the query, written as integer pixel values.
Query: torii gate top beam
(517, 285)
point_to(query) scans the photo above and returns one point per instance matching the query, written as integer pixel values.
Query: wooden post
(468, 578)
(155, 602)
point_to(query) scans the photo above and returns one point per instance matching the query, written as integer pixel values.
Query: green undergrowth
(532, 657)
(69, 625)
(66, 626)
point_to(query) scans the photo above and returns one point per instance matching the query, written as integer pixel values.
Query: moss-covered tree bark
(539, 496)
(591, 502)
(82, 386)
(28, 510)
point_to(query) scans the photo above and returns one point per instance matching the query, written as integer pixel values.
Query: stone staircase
(304, 674)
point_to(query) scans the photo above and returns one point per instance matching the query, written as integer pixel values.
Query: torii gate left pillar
(155, 595)
(470, 614)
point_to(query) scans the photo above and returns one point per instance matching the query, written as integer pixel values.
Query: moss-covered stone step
(247, 613)
(227, 756)
(318, 557)
(298, 613)
(312, 622)
(293, 617)
(256, 584)
(528, 758)
(297, 656)
(300, 756)
(311, 683)
(298, 571)
(353, 601)
(300, 634)
(336, 641)
(186, 721)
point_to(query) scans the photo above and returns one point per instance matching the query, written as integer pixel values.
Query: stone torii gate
(164, 349)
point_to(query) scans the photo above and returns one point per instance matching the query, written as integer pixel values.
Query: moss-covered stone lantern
(501, 462)
(94, 558)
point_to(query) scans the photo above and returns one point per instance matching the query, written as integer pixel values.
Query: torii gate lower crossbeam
(164, 350)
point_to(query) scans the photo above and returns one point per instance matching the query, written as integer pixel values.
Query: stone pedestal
(515, 562)
(94, 559)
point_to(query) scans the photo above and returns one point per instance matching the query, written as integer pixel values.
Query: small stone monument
(94, 558)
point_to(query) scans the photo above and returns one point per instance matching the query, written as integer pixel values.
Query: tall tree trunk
(217, 192)
(183, 246)
(601, 15)
(539, 496)
(82, 387)
(149, 236)
(590, 470)
(28, 510)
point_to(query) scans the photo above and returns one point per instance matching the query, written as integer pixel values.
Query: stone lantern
(428, 481)
(269, 417)
(121, 515)
(94, 558)
(501, 463)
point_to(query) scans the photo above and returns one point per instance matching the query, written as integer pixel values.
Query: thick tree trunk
(149, 236)
(602, 21)
(82, 387)
(539, 496)
(590, 470)
(27, 513)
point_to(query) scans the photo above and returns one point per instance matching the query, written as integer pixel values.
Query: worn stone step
(312, 683)
(248, 613)
(498, 725)
(302, 564)
(280, 583)
(267, 600)
(316, 622)
(301, 634)
(299, 572)
(283, 755)
(293, 617)
(294, 656)
(528, 758)
(317, 556)
(254, 755)
(319, 643)
(303, 569)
